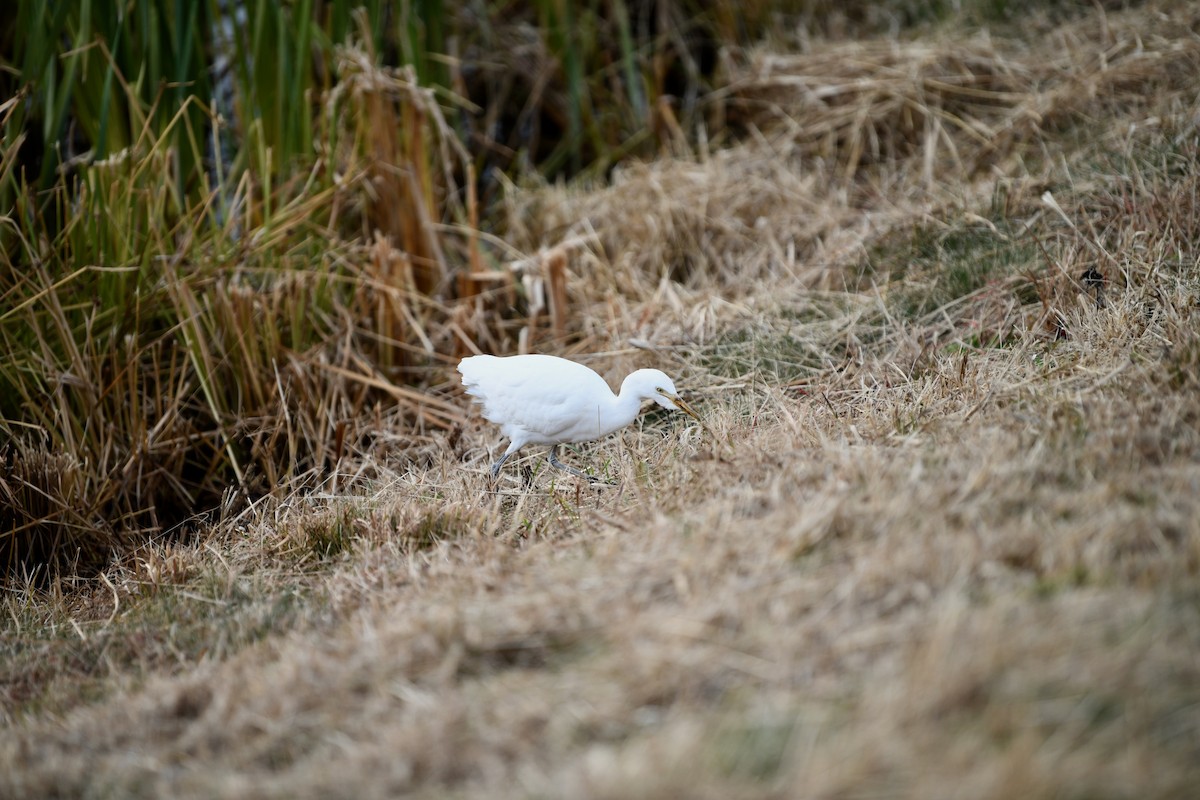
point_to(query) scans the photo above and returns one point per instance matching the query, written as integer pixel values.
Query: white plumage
(547, 400)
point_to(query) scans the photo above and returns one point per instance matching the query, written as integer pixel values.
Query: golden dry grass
(943, 550)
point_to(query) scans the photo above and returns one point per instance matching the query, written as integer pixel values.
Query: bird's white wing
(536, 399)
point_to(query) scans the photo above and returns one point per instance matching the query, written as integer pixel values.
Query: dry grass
(926, 549)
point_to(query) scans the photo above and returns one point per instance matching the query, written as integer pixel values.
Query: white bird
(539, 399)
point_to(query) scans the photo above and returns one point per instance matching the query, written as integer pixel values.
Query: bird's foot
(590, 479)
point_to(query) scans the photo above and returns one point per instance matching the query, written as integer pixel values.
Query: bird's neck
(623, 410)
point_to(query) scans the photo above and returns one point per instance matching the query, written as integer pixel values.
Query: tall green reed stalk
(182, 330)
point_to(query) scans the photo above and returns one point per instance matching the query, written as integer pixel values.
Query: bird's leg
(554, 462)
(498, 464)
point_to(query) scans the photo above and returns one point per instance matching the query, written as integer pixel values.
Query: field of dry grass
(939, 308)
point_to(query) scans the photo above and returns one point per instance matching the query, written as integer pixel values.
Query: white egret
(539, 399)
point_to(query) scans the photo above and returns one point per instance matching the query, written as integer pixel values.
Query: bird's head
(653, 384)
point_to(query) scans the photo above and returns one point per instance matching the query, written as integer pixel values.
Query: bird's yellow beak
(684, 407)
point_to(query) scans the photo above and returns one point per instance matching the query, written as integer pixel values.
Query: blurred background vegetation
(242, 241)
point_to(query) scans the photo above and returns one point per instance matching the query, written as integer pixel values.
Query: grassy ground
(940, 311)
